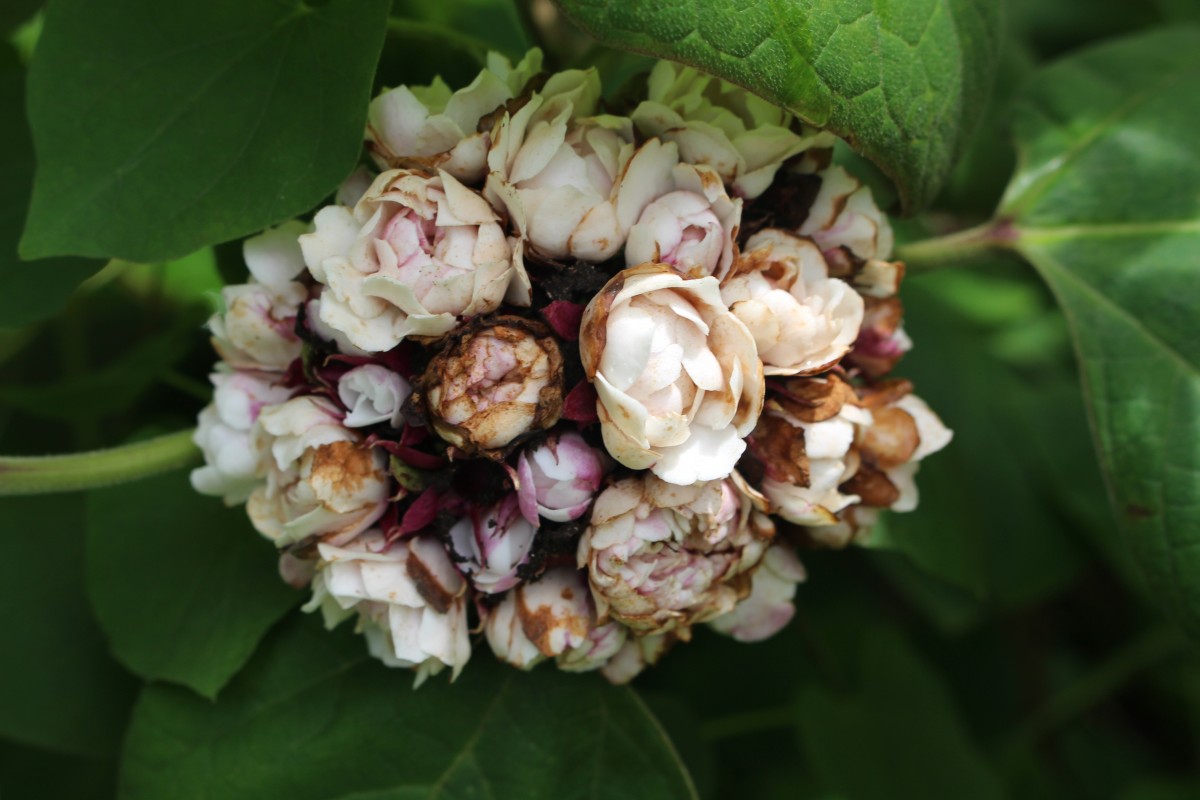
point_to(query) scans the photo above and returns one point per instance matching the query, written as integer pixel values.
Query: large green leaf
(164, 127)
(60, 689)
(902, 82)
(183, 586)
(1106, 206)
(314, 718)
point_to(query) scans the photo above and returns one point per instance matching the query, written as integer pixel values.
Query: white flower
(559, 477)
(743, 137)
(552, 617)
(256, 329)
(844, 214)
(431, 127)
(891, 447)
(233, 464)
(678, 378)
(769, 607)
(494, 384)
(802, 320)
(573, 187)
(410, 598)
(492, 544)
(374, 394)
(692, 228)
(321, 481)
(661, 557)
(413, 256)
(637, 653)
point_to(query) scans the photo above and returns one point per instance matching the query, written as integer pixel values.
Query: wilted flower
(661, 557)
(492, 544)
(558, 477)
(769, 606)
(743, 137)
(692, 228)
(256, 329)
(431, 127)
(233, 464)
(373, 394)
(321, 480)
(493, 384)
(410, 598)
(844, 214)
(802, 320)
(882, 340)
(552, 617)
(413, 256)
(678, 378)
(637, 653)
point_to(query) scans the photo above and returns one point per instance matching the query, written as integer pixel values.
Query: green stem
(75, 471)
(955, 248)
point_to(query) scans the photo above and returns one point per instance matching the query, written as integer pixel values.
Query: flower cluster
(572, 381)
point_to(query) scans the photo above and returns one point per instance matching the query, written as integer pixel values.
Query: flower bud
(493, 384)
(559, 477)
(802, 320)
(769, 606)
(410, 598)
(411, 258)
(321, 480)
(373, 394)
(233, 464)
(844, 214)
(678, 377)
(492, 544)
(661, 557)
(882, 340)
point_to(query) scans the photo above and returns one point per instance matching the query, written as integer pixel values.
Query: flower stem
(953, 249)
(90, 470)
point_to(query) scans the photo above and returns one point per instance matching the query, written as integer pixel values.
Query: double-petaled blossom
(769, 606)
(432, 127)
(802, 320)
(256, 328)
(493, 384)
(558, 478)
(492, 544)
(372, 394)
(637, 653)
(552, 617)
(741, 136)
(409, 598)
(233, 463)
(661, 557)
(678, 378)
(844, 215)
(414, 256)
(320, 479)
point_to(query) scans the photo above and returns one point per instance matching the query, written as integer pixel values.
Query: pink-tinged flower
(256, 328)
(882, 341)
(741, 136)
(321, 480)
(678, 378)
(637, 653)
(802, 320)
(414, 256)
(431, 127)
(492, 544)
(844, 214)
(558, 478)
(373, 394)
(769, 606)
(410, 599)
(573, 187)
(233, 463)
(692, 228)
(552, 617)
(661, 557)
(493, 384)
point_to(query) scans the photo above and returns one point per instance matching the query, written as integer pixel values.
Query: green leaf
(1105, 206)
(314, 717)
(183, 586)
(902, 82)
(61, 690)
(205, 121)
(898, 736)
(30, 774)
